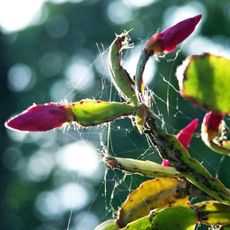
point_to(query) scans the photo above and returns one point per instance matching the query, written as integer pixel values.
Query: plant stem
(170, 149)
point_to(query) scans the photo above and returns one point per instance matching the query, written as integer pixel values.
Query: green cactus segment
(152, 194)
(141, 117)
(142, 61)
(169, 148)
(212, 213)
(178, 218)
(108, 225)
(144, 168)
(96, 112)
(173, 218)
(193, 171)
(142, 223)
(184, 217)
(121, 79)
(205, 79)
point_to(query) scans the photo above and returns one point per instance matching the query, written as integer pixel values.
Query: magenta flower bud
(186, 134)
(184, 137)
(211, 125)
(212, 120)
(165, 163)
(167, 40)
(41, 117)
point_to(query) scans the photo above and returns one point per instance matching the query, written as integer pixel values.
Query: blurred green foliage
(81, 32)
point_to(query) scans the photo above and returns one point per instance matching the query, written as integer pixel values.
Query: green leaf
(151, 194)
(145, 168)
(142, 61)
(205, 79)
(108, 225)
(173, 218)
(121, 79)
(212, 213)
(95, 112)
(142, 223)
(184, 217)
(169, 148)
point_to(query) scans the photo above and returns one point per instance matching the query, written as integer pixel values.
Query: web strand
(116, 184)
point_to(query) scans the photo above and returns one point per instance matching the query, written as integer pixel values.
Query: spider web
(116, 185)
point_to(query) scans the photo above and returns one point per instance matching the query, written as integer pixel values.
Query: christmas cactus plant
(164, 202)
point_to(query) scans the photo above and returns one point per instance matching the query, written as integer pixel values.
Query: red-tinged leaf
(212, 120)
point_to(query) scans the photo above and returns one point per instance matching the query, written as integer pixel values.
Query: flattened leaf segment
(151, 194)
(94, 112)
(205, 79)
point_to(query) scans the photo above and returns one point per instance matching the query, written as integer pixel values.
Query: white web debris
(116, 184)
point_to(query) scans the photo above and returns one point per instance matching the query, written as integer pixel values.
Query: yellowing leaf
(212, 213)
(151, 194)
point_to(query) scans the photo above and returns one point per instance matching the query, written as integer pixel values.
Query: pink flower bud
(211, 125)
(167, 40)
(165, 163)
(184, 137)
(41, 117)
(212, 120)
(186, 134)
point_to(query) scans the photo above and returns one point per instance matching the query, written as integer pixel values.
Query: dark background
(64, 57)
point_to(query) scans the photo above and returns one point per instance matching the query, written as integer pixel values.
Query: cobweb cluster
(172, 114)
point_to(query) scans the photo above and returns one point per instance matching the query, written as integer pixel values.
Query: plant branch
(169, 148)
